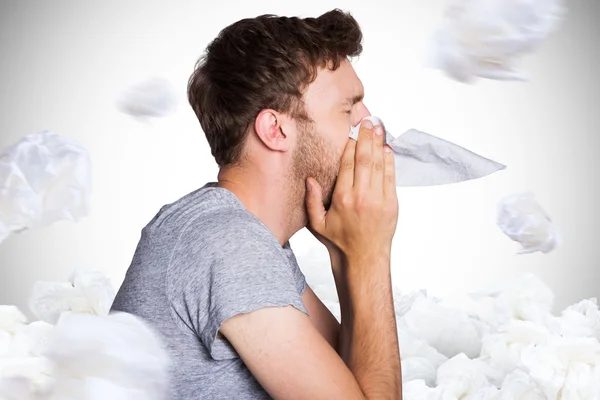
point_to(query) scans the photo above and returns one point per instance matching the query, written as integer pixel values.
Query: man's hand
(364, 208)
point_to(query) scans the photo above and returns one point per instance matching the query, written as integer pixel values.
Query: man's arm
(281, 346)
(368, 334)
(322, 318)
(292, 359)
(319, 314)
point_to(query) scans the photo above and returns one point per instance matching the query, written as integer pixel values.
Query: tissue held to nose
(425, 160)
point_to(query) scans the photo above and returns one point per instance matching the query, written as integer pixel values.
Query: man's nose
(361, 112)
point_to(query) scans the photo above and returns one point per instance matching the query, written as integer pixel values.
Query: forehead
(334, 87)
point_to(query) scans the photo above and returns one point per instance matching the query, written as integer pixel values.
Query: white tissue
(526, 298)
(419, 360)
(418, 390)
(425, 160)
(153, 98)
(486, 38)
(448, 330)
(461, 376)
(44, 178)
(565, 365)
(580, 320)
(523, 220)
(117, 354)
(502, 350)
(88, 355)
(87, 292)
(11, 319)
(519, 385)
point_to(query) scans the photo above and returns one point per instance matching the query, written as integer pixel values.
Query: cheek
(341, 141)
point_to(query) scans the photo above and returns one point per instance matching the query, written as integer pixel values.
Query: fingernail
(368, 124)
(308, 185)
(387, 149)
(378, 130)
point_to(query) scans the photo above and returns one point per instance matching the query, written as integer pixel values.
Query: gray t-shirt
(200, 261)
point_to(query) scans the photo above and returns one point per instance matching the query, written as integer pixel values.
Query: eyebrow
(350, 101)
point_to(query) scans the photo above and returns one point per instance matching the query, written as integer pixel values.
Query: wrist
(379, 255)
(337, 259)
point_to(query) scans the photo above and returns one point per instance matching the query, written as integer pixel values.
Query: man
(214, 272)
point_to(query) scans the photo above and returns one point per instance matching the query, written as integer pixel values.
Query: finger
(314, 205)
(377, 169)
(345, 178)
(389, 172)
(363, 156)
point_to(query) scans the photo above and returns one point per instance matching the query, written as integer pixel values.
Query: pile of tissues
(77, 351)
(503, 343)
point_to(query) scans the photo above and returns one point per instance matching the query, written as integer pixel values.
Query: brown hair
(264, 62)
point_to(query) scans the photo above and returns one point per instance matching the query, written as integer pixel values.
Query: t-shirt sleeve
(301, 283)
(237, 270)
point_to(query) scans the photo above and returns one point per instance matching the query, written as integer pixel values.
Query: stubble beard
(314, 157)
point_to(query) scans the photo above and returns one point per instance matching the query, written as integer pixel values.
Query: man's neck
(267, 199)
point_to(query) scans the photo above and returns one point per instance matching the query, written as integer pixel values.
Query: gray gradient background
(63, 63)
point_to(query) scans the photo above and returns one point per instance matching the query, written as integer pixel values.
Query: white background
(62, 65)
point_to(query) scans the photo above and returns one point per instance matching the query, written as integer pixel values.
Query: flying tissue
(152, 98)
(425, 160)
(44, 178)
(523, 220)
(486, 38)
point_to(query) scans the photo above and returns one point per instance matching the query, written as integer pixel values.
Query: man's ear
(268, 127)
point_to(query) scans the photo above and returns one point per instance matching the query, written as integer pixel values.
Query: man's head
(281, 92)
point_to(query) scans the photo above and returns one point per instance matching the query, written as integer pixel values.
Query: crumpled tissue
(44, 178)
(419, 360)
(422, 159)
(462, 376)
(152, 98)
(570, 366)
(448, 330)
(486, 38)
(519, 385)
(114, 356)
(86, 292)
(580, 320)
(526, 298)
(502, 350)
(418, 389)
(523, 220)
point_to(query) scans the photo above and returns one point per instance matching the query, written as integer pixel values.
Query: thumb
(314, 205)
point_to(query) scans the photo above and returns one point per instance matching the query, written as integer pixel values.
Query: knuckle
(346, 201)
(364, 160)
(361, 202)
(378, 165)
(347, 165)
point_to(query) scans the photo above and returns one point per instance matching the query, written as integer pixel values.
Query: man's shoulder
(208, 211)
(220, 226)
